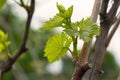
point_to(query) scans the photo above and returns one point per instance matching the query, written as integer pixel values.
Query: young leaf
(2, 2)
(73, 29)
(56, 21)
(57, 46)
(68, 12)
(61, 8)
(88, 29)
(71, 32)
(62, 19)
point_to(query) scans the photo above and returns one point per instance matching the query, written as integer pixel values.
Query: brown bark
(106, 21)
(7, 65)
(82, 64)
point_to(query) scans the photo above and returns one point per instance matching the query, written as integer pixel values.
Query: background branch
(112, 12)
(115, 27)
(25, 38)
(7, 65)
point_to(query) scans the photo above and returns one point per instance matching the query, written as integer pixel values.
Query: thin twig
(115, 27)
(73, 55)
(113, 10)
(7, 65)
(25, 38)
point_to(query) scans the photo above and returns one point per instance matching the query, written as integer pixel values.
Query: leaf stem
(75, 52)
(73, 55)
(69, 50)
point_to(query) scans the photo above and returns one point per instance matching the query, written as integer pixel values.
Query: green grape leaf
(71, 32)
(2, 2)
(88, 29)
(57, 46)
(56, 21)
(61, 19)
(60, 7)
(68, 12)
(75, 26)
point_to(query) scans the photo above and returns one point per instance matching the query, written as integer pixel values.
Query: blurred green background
(33, 65)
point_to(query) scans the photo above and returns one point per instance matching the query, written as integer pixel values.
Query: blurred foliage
(2, 3)
(32, 65)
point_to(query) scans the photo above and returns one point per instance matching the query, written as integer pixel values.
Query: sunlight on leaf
(57, 46)
(56, 21)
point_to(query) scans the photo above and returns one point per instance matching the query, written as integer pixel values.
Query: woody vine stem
(7, 65)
